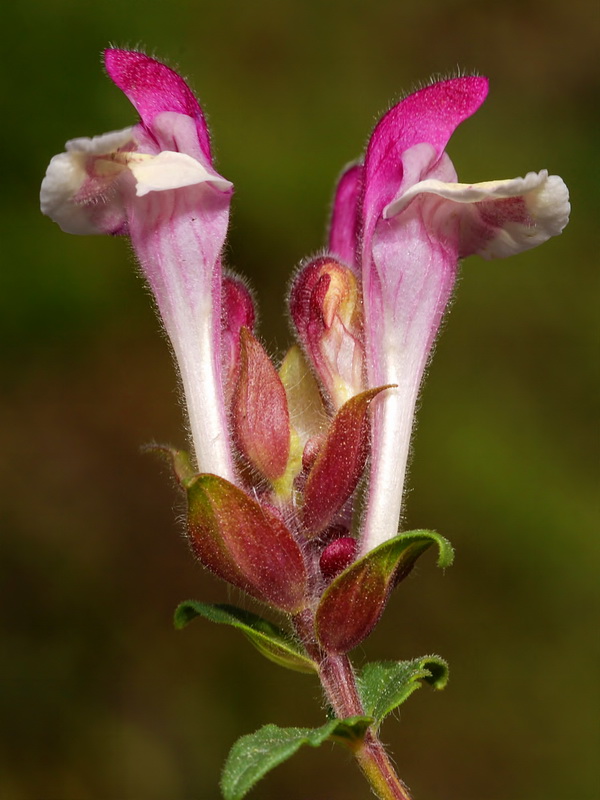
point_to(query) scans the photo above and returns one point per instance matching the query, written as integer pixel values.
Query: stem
(339, 685)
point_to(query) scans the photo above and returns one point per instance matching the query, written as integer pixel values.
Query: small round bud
(337, 556)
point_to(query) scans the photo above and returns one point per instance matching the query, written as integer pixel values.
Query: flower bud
(338, 555)
(326, 307)
(339, 463)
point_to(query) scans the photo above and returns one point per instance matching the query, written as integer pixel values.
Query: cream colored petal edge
(64, 178)
(468, 192)
(103, 144)
(171, 170)
(546, 203)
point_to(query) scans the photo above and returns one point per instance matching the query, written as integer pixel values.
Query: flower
(402, 222)
(156, 182)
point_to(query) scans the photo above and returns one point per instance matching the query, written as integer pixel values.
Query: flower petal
(343, 229)
(498, 218)
(430, 115)
(171, 170)
(78, 189)
(152, 88)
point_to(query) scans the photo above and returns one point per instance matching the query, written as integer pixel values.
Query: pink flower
(156, 182)
(402, 222)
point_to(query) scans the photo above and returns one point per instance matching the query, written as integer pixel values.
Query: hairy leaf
(268, 639)
(252, 756)
(384, 685)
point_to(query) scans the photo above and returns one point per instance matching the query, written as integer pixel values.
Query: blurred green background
(100, 699)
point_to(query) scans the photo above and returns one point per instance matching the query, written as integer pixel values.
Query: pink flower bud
(326, 307)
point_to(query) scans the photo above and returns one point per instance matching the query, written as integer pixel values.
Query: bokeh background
(99, 698)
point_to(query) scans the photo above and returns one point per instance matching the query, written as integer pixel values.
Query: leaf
(384, 685)
(355, 600)
(268, 639)
(252, 756)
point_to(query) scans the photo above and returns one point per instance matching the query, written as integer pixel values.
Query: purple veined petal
(152, 88)
(343, 229)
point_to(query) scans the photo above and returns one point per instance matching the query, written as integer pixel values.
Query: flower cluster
(280, 454)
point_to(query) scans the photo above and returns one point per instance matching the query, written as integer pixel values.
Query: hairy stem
(339, 684)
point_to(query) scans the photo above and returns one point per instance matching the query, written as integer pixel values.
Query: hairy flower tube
(282, 453)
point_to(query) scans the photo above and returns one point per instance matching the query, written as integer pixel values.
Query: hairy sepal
(260, 417)
(355, 600)
(340, 462)
(244, 543)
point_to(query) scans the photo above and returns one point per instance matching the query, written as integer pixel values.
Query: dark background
(100, 699)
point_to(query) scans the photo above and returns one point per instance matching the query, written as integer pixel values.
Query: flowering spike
(339, 463)
(326, 308)
(366, 316)
(260, 415)
(244, 543)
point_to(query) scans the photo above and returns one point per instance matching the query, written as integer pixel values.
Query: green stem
(339, 684)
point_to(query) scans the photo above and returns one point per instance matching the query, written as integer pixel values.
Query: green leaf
(354, 601)
(384, 685)
(252, 756)
(268, 639)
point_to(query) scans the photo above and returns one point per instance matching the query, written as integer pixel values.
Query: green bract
(268, 639)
